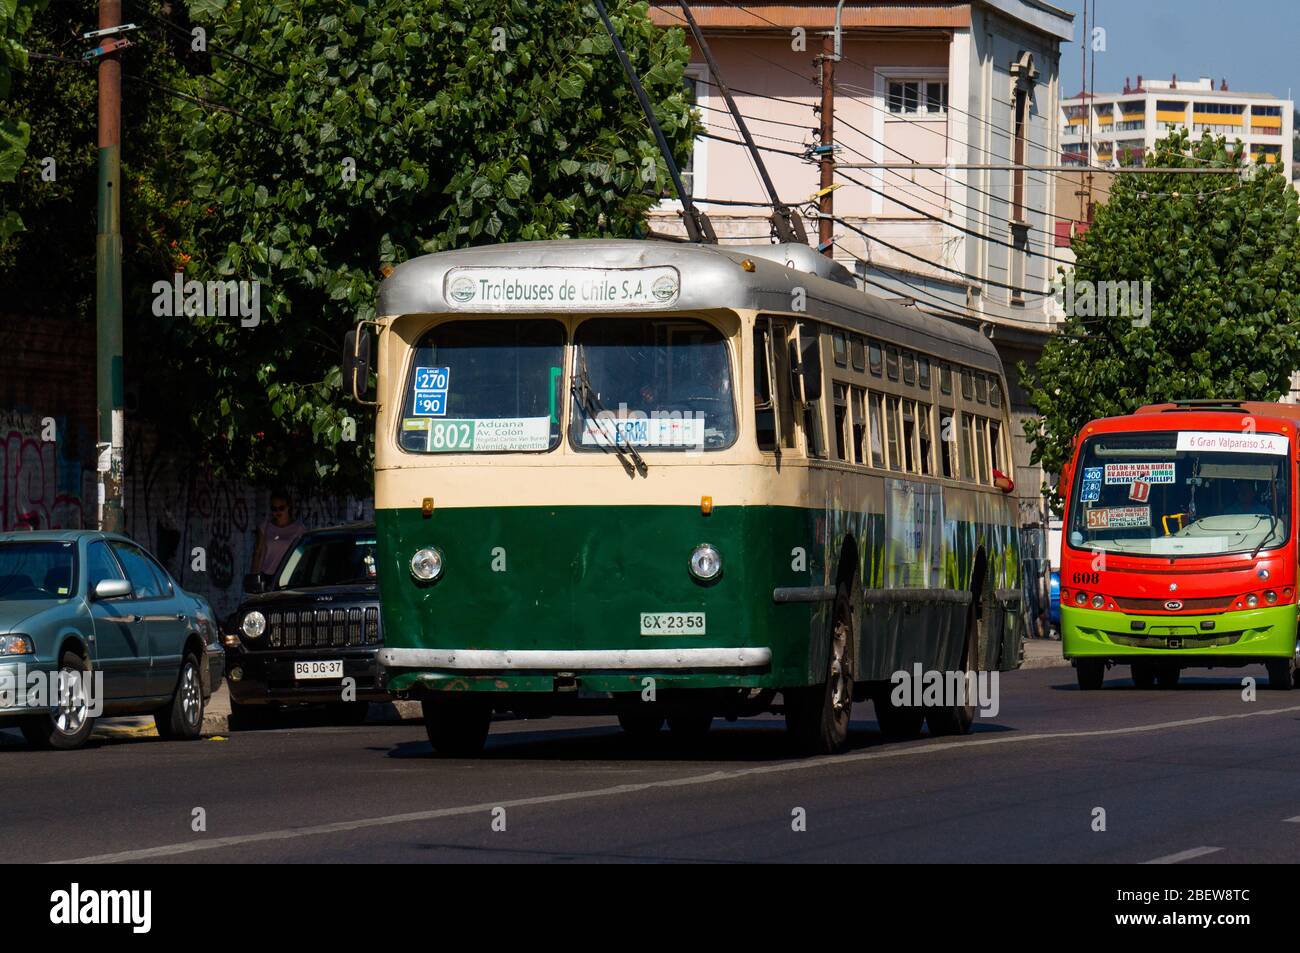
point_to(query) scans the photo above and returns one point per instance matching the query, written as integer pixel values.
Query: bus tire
(957, 719)
(640, 725)
(1281, 673)
(1167, 675)
(690, 727)
(898, 722)
(1091, 672)
(459, 729)
(817, 716)
(1143, 674)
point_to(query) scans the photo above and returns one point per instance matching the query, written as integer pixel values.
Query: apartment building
(1117, 128)
(969, 87)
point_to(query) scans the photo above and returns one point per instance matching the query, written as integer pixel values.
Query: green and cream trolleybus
(674, 482)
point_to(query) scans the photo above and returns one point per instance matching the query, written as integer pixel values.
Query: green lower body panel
(530, 596)
(1248, 634)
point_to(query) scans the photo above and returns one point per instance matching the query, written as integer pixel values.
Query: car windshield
(37, 571)
(329, 560)
(655, 383)
(484, 387)
(1181, 493)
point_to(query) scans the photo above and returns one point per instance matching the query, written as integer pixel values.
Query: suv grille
(323, 628)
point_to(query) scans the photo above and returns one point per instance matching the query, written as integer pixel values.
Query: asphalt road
(1194, 775)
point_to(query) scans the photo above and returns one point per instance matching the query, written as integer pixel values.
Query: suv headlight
(254, 624)
(426, 564)
(706, 563)
(16, 645)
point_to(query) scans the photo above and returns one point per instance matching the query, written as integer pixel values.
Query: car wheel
(457, 728)
(181, 719)
(68, 723)
(347, 713)
(1281, 673)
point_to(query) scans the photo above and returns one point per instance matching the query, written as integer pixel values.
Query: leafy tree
(15, 19)
(358, 135)
(1222, 255)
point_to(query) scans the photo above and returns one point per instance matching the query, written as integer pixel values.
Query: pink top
(276, 541)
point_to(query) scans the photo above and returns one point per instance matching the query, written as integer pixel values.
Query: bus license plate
(330, 669)
(672, 623)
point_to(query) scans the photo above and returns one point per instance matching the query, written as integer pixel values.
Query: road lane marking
(1182, 855)
(713, 777)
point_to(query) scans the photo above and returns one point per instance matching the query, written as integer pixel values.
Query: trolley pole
(826, 205)
(108, 284)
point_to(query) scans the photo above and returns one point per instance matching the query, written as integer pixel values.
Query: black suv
(302, 631)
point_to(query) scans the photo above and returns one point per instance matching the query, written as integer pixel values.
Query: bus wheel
(640, 725)
(1144, 674)
(1167, 675)
(898, 722)
(1091, 672)
(1281, 673)
(690, 727)
(459, 728)
(817, 716)
(956, 716)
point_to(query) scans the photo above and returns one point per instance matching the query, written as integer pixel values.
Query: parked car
(77, 603)
(304, 630)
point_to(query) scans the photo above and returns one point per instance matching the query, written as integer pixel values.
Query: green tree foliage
(358, 135)
(15, 132)
(1222, 254)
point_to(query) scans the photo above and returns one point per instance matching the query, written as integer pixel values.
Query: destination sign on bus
(561, 289)
(1224, 441)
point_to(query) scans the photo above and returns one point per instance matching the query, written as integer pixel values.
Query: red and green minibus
(1178, 547)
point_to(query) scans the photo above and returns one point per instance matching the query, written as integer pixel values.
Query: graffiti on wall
(40, 480)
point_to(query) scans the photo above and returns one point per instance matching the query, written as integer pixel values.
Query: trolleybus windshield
(1181, 493)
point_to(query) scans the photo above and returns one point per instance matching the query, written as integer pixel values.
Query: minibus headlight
(1270, 596)
(706, 563)
(1080, 598)
(1252, 600)
(426, 564)
(1098, 601)
(254, 624)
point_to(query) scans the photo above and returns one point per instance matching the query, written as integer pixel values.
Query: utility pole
(826, 205)
(108, 283)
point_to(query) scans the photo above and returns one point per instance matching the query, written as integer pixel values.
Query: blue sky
(1254, 43)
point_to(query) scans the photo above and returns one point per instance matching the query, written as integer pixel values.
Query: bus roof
(1202, 415)
(711, 277)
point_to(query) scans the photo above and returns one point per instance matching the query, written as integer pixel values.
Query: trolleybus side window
(764, 408)
(858, 406)
(967, 385)
(891, 433)
(877, 431)
(909, 436)
(926, 444)
(981, 448)
(652, 383)
(784, 391)
(923, 373)
(842, 439)
(841, 348)
(945, 378)
(859, 350)
(909, 367)
(891, 362)
(967, 426)
(995, 392)
(995, 445)
(485, 386)
(981, 388)
(947, 441)
(873, 349)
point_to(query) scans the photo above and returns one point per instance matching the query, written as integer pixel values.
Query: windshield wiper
(1272, 518)
(591, 405)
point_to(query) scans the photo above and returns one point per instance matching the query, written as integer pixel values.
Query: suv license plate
(330, 669)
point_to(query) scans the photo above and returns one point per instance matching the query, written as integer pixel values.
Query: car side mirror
(356, 363)
(254, 584)
(112, 589)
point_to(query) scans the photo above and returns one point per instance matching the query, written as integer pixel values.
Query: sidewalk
(1043, 653)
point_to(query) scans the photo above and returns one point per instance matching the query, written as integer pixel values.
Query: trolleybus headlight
(1270, 596)
(1252, 600)
(1080, 598)
(1098, 601)
(426, 565)
(254, 624)
(706, 563)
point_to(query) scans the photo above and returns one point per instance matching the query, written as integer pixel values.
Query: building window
(918, 97)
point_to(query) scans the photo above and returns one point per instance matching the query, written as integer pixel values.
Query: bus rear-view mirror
(356, 363)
